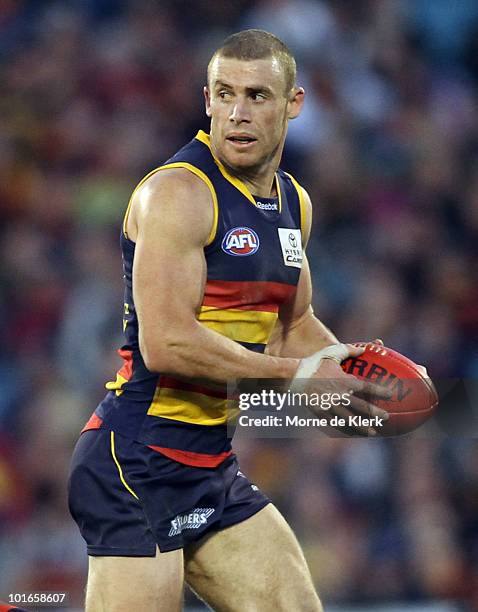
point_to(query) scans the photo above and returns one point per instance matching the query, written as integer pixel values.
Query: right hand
(329, 377)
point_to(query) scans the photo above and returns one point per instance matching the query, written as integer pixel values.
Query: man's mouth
(241, 139)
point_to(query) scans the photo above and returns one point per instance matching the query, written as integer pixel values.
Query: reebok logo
(267, 205)
(192, 520)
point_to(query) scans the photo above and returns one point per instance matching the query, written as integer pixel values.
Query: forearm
(304, 337)
(198, 352)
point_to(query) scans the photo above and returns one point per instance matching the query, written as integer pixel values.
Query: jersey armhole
(200, 174)
(302, 204)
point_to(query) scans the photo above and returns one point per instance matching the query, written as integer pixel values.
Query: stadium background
(97, 92)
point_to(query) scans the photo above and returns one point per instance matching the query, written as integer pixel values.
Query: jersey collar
(238, 184)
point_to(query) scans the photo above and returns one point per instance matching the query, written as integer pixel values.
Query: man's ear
(296, 101)
(207, 100)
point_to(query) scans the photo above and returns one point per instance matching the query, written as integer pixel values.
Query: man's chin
(241, 162)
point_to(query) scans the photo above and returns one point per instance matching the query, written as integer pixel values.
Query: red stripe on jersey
(94, 422)
(190, 458)
(247, 295)
(174, 383)
(127, 369)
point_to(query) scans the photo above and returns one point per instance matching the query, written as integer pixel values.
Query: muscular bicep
(173, 217)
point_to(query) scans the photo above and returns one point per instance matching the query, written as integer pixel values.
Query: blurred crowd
(95, 93)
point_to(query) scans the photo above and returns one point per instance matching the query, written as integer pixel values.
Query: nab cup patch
(240, 242)
(291, 245)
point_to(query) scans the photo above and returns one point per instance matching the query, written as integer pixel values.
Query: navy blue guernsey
(253, 258)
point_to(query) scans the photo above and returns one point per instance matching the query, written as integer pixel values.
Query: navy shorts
(127, 498)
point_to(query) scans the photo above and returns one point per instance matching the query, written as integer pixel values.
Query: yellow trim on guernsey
(201, 408)
(303, 208)
(116, 385)
(279, 192)
(200, 174)
(188, 407)
(239, 325)
(120, 471)
(238, 184)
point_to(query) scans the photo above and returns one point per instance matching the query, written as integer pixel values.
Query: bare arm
(170, 221)
(298, 333)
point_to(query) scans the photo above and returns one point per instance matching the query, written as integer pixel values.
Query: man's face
(249, 109)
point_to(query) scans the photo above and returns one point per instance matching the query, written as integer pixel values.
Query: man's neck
(260, 184)
(259, 180)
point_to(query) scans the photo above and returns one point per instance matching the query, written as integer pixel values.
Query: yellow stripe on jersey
(205, 139)
(120, 471)
(239, 325)
(117, 384)
(302, 204)
(279, 192)
(200, 174)
(188, 406)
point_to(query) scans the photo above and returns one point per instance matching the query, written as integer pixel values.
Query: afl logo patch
(240, 242)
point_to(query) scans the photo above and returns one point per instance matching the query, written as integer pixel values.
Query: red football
(414, 397)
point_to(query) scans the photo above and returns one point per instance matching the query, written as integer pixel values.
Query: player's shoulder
(175, 179)
(186, 171)
(169, 192)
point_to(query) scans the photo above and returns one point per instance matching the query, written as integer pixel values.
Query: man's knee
(293, 588)
(128, 583)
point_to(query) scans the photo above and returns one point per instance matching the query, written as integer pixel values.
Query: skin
(124, 584)
(256, 580)
(241, 98)
(249, 98)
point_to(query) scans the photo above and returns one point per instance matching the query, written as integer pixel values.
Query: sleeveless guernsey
(253, 258)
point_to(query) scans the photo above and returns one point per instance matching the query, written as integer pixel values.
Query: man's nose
(240, 113)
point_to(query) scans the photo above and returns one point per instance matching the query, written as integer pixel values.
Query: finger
(368, 409)
(379, 341)
(371, 391)
(358, 386)
(422, 370)
(355, 351)
(350, 426)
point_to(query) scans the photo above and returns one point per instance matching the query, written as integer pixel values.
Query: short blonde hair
(258, 44)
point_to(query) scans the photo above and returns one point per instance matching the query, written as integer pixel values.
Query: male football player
(215, 271)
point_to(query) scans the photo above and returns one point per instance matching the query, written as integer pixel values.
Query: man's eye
(224, 94)
(258, 96)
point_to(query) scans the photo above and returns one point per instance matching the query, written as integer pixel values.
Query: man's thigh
(126, 570)
(256, 565)
(124, 584)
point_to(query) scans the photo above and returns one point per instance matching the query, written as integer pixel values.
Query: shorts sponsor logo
(291, 245)
(192, 520)
(240, 242)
